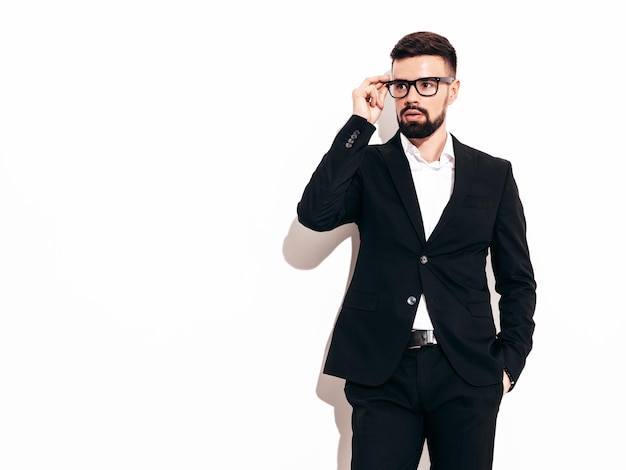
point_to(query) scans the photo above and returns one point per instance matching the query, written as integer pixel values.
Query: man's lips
(412, 114)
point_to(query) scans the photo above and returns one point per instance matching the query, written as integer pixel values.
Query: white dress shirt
(433, 185)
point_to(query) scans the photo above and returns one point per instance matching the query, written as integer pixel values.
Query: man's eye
(426, 84)
(401, 85)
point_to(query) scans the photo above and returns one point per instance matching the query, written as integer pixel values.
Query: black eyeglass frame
(413, 83)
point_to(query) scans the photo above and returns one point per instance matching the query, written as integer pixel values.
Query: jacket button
(411, 300)
(423, 259)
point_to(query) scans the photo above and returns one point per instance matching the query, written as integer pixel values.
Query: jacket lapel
(464, 168)
(400, 172)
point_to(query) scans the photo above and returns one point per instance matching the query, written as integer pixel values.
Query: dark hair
(425, 43)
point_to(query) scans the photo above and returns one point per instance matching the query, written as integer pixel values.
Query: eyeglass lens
(425, 87)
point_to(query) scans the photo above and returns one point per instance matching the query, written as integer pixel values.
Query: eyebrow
(413, 79)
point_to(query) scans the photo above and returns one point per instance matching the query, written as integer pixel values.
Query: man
(416, 339)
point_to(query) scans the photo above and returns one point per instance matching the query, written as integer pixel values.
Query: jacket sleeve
(331, 198)
(514, 278)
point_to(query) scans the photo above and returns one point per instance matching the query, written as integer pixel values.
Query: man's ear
(454, 91)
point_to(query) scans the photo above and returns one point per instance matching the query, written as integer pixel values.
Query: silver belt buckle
(430, 337)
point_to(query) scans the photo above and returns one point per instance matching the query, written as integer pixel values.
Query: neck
(431, 147)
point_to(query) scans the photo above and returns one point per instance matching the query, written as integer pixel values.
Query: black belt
(421, 338)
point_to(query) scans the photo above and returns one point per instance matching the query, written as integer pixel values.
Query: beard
(417, 130)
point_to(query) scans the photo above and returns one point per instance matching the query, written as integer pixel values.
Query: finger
(372, 95)
(377, 80)
(382, 94)
(365, 93)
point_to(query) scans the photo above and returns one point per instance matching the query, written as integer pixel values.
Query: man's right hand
(368, 100)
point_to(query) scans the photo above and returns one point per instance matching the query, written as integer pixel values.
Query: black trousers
(423, 400)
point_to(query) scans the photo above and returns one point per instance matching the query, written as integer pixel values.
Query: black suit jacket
(372, 186)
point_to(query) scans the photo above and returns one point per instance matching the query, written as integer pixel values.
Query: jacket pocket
(479, 202)
(360, 301)
(480, 309)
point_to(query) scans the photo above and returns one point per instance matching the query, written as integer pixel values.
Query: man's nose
(413, 96)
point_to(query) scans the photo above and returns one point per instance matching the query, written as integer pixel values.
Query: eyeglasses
(427, 86)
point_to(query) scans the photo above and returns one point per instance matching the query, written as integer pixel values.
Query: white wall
(159, 310)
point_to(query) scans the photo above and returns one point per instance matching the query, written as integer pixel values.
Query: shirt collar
(415, 159)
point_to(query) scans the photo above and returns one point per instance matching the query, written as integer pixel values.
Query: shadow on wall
(306, 249)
